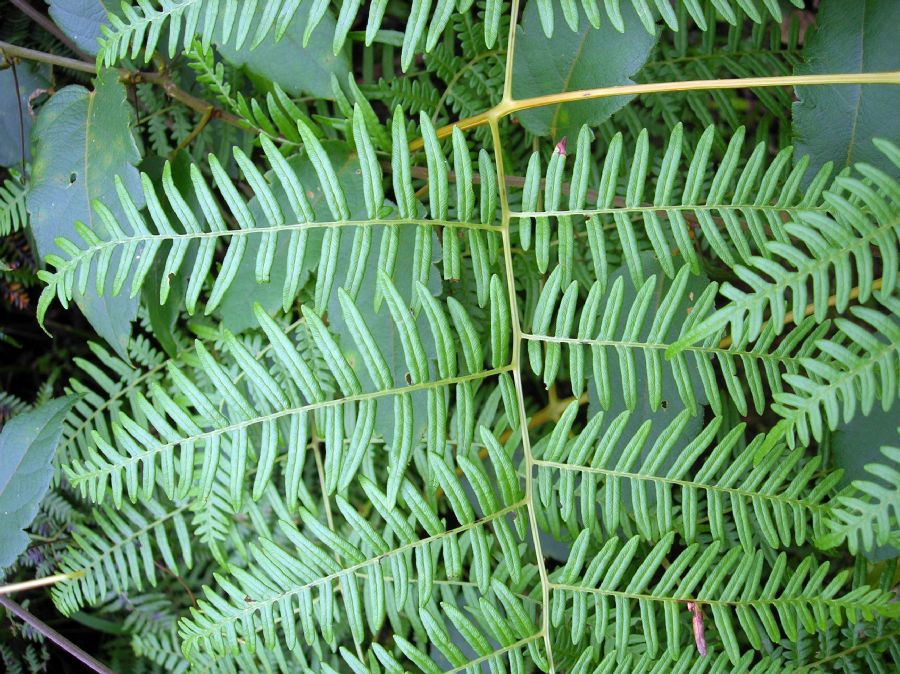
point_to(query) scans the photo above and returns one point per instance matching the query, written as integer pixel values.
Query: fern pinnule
(869, 513)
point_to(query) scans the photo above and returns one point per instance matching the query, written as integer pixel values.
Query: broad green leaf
(81, 20)
(15, 114)
(837, 123)
(295, 68)
(589, 58)
(27, 444)
(81, 142)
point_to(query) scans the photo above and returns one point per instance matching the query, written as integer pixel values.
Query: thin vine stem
(160, 79)
(54, 636)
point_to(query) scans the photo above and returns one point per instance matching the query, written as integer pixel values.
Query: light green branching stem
(505, 213)
(509, 105)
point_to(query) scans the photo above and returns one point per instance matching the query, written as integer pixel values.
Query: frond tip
(869, 514)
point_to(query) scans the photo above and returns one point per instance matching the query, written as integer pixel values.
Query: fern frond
(855, 368)
(13, 215)
(122, 554)
(277, 119)
(863, 217)
(281, 208)
(725, 587)
(626, 335)
(136, 33)
(702, 12)
(393, 562)
(869, 515)
(283, 408)
(721, 54)
(11, 405)
(162, 650)
(472, 74)
(105, 387)
(776, 502)
(737, 207)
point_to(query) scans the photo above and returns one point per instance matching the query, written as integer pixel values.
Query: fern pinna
(440, 389)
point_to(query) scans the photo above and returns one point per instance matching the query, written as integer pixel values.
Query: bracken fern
(449, 395)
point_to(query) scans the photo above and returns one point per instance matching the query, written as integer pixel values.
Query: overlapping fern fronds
(119, 547)
(138, 31)
(860, 217)
(286, 211)
(870, 514)
(360, 475)
(856, 368)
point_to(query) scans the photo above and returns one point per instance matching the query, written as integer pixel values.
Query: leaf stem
(39, 582)
(54, 636)
(160, 79)
(10, 50)
(47, 24)
(698, 85)
(510, 106)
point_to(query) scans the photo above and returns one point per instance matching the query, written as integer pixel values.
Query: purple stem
(54, 636)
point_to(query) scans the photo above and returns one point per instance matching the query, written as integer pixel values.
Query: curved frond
(870, 513)
(856, 367)
(830, 251)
